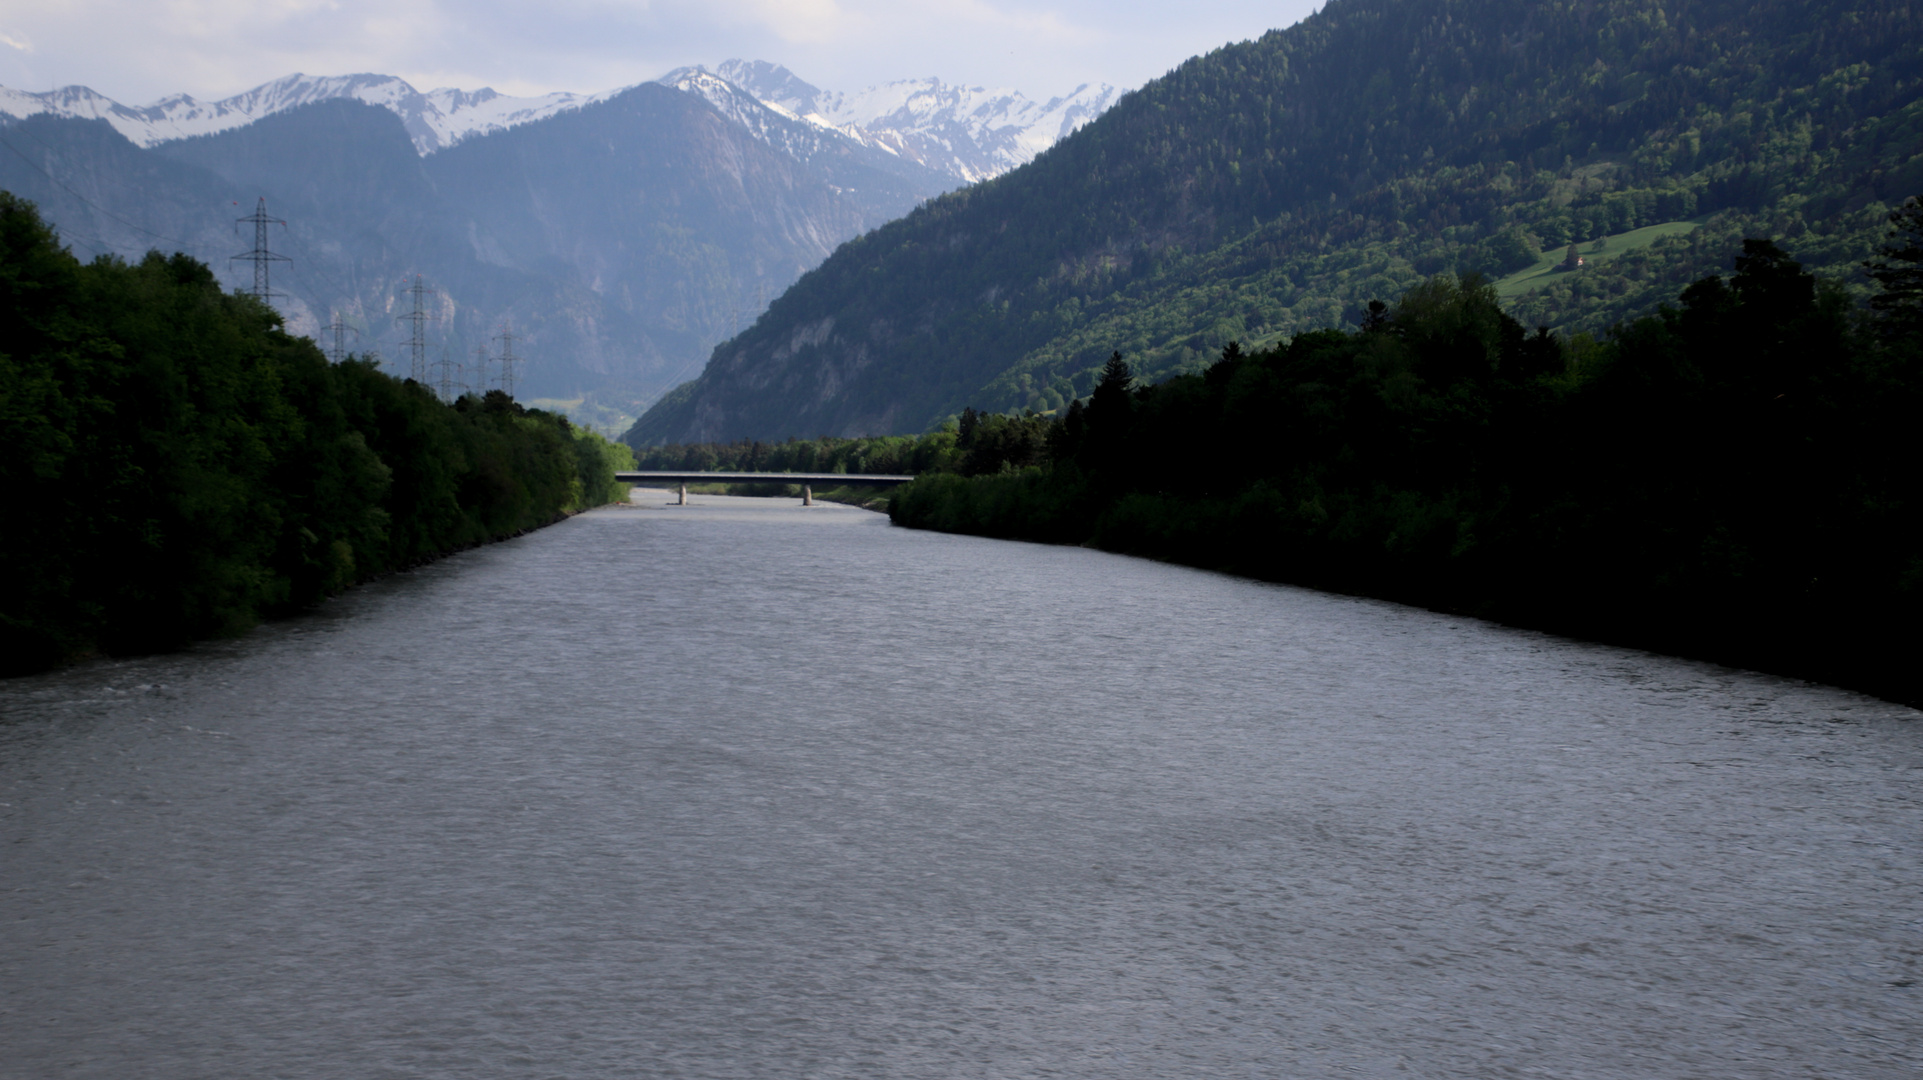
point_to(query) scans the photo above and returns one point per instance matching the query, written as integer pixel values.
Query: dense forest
(1271, 188)
(1736, 476)
(178, 467)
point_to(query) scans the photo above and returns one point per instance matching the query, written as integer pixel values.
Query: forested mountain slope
(1277, 185)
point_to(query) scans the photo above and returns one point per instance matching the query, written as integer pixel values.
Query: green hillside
(1276, 186)
(1545, 271)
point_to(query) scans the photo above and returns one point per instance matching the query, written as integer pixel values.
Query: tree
(1111, 392)
(965, 431)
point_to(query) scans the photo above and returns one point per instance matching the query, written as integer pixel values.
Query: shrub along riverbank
(1738, 478)
(178, 467)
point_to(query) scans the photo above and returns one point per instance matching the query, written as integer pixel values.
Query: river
(744, 789)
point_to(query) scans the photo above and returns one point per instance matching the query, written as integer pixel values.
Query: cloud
(16, 41)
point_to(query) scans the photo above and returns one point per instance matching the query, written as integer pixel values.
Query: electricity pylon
(260, 256)
(417, 334)
(448, 376)
(507, 359)
(340, 328)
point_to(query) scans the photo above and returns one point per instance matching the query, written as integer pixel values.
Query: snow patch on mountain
(965, 133)
(771, 122)
(971, 133)
(435, 120)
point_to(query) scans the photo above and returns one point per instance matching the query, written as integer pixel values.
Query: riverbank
(1731, 480)
(178, 467)
(1884, 668)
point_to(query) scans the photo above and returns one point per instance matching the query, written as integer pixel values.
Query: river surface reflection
(750, 790)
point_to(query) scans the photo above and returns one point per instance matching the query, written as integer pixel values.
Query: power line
(182, 244)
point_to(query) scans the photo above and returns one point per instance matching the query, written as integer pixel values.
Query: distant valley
(620, 234)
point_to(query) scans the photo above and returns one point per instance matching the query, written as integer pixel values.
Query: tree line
(177, 466)
(1735, 477)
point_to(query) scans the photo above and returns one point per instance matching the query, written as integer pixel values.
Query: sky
(137, 51)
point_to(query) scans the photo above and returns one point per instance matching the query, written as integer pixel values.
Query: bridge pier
(807, 495)
(684, 494)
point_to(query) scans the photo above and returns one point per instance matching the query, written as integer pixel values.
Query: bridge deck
(664, 476)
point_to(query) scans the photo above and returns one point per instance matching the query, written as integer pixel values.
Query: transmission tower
(448, 376)
(340, 330)
(507, 359)
(417, 334)
(478, 384)
(260, 256)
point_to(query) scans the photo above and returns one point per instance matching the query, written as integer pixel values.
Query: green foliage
(993, 443)
(597, 460)
(1272, 188)
(1734, 476)
(178, 466)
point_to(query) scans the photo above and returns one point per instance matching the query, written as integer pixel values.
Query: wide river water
(744, 789)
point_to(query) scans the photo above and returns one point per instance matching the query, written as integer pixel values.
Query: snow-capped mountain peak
(435, 120)
(966, 133)
(971, 133)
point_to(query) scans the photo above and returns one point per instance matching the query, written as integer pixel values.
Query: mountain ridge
(965, 134)
(618, 291)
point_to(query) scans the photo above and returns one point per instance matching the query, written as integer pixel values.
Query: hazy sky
(135, 51)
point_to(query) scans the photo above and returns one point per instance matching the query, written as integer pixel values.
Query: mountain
(806, 139)
(1275, 186)
(920, 126)
(621, 239)
(969, 133)
(623, 234)
(435, 120)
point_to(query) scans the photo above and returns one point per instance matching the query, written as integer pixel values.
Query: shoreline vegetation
(179, 467)
(1734, 479)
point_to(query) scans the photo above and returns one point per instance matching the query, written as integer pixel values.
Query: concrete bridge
(670, 478)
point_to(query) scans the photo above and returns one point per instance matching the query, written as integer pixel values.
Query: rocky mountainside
(1277, 186)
